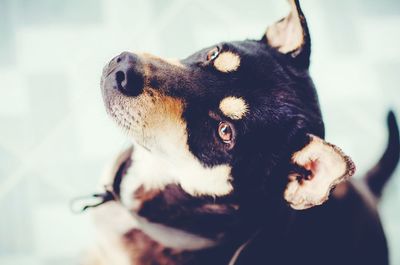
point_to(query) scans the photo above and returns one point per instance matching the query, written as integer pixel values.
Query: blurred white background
(55, 137)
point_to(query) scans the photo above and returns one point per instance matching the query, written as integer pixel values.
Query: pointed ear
(318, 168)
(290, 35)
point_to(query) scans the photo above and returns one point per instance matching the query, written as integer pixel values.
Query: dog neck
(171, 237)
(130, 239)
(142, 237)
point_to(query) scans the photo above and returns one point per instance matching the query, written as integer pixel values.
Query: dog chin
(123, 111)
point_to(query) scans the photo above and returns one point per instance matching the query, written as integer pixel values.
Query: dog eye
(212, 54)
(225, 132)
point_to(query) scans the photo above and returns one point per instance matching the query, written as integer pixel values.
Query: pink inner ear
(287, 35)
(328, 166)
(311, 166)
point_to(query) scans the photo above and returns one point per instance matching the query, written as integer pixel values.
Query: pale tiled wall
(55, 137)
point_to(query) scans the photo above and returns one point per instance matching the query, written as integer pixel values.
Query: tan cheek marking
(234, 107)
(227, 62)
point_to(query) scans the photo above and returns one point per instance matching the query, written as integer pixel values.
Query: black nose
(129, 77)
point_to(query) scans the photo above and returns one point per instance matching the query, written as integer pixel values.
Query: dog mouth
(129, 113)
(146, 117)
(143, 110)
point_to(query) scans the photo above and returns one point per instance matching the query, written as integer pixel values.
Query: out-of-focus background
(55, 137)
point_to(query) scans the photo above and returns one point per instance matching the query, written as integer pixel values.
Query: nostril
(129, 81)
(119, 77)
(134, 82)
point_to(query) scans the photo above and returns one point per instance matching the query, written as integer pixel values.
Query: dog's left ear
(318, 167)
(290, 36)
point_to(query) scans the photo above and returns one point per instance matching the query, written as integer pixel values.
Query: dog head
(233, 128)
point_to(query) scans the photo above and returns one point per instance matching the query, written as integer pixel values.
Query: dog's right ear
(290, 36)
(317, 168)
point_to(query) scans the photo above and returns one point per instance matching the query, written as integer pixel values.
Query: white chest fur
(156, 169)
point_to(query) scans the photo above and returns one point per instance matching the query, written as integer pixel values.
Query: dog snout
(128, 75)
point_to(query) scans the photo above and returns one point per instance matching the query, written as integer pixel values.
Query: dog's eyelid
(213, 53)
(219, 117)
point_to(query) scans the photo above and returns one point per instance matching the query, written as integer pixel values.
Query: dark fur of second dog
(229, 164)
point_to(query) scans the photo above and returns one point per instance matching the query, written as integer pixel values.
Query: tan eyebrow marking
(234, 107)
(227, 62)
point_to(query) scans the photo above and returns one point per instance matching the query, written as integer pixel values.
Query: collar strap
(239, 251)
(81, 204)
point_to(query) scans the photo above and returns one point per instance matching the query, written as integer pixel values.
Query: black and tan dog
(229, 156)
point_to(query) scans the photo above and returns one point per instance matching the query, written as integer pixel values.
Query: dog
(228, 163)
